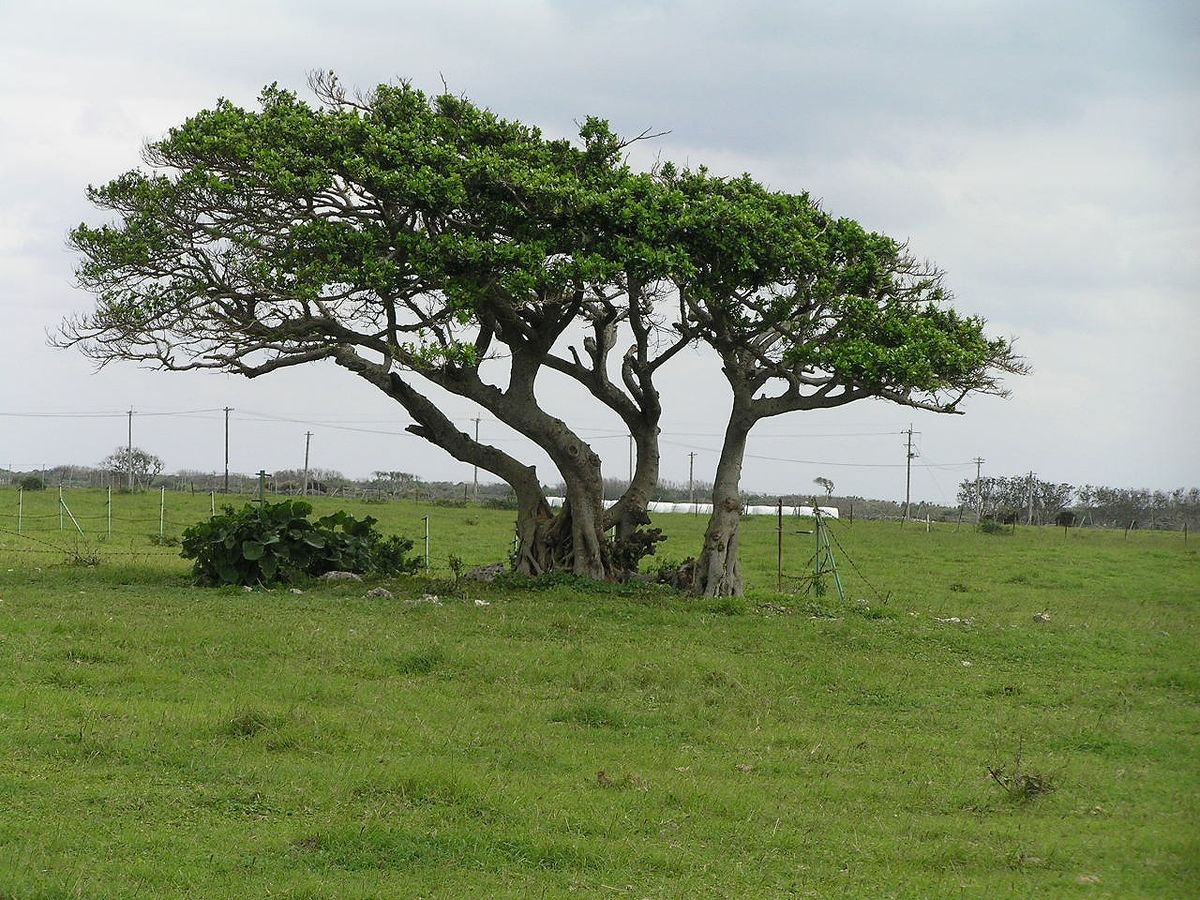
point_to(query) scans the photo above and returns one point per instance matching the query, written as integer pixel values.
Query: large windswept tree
(405, 238)
(808, 311)
(417, 241)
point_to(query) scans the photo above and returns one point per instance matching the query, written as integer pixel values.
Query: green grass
(159, 739)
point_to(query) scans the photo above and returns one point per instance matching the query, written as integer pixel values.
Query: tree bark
(588, 552)
(537, 542)
(718, 571)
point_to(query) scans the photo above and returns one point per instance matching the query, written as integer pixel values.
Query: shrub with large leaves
(271, 542)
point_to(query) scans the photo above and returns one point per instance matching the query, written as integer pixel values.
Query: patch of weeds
(1178, 680)
(593, 715)
(249, 722)
(1022, 860)
(726, 606)
(568, 627)
(816, 610)
(991, 526)
(80, 655)
(630, 780)
(283, 741)
(66, 680)
(716, 679)
(420, 662)
(958, 587)
(83, 555)
(1007, 690)
(1018, 783)
(457, 566)
(164, 540)
(1103, 745)
(1019, 578)
(871, 612)
(721, 681)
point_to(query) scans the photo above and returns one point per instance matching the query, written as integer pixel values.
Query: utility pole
(226, 488)
(307, 441)
(129, 450)
(908, 458)
(691, 479)
(1029, 518)
(475, 469)
(978, 496)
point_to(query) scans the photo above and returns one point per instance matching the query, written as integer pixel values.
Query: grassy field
(158, 739)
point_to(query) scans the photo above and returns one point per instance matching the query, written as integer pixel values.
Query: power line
(595, 434)
(101, 415)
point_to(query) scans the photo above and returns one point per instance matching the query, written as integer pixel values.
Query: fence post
(60, 507)
(779, 550)
(110, 511)
(425, 519)
(162, 510)
(21, 508)
(212, 501)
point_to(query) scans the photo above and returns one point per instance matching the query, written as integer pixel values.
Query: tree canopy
(418, 240)
(134, 465)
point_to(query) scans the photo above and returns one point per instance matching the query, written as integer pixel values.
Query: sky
(1044, 154)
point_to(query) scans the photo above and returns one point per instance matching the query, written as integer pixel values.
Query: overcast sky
(1045, 154)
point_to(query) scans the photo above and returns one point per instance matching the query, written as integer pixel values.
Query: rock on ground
(487, 573)
(341, 576)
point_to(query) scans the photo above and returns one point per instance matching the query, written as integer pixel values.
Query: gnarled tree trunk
(588, 552)
(718, 571)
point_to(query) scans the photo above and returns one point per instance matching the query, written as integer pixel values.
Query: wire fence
(84, 526)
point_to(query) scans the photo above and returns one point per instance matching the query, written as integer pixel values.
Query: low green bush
(260, 544)
(991, 526)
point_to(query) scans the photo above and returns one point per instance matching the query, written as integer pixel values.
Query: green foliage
(272, 542)
(31, 483)
(450, 201)
(843, 306)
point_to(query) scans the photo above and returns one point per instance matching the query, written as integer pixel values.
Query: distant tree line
(1025, 499)
(1029, 499)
